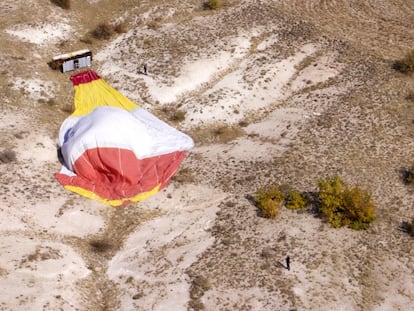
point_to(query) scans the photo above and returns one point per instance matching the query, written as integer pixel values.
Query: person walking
(288, 263)
(145, 68)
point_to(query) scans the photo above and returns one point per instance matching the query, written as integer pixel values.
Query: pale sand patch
(35, 151)
(35, 88)
(267, 43)
(38, 273)
(318, 71)
(394, 285)
(192, 76)
(36, 148)
(240, 149)
(154, 258)
(255, 297)
(279, 124)
(241, 91)
(10, 220)
(62, 217)
(41, 34)
(320, 276)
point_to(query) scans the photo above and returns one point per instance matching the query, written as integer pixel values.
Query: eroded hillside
(272, 91)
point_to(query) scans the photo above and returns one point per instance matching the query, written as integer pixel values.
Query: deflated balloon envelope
(114, 151)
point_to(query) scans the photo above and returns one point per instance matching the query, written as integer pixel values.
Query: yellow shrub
(268, 200)
(344, 206)
(295, 200)
(359, 207)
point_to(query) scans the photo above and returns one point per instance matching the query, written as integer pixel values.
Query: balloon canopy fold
(114, 151)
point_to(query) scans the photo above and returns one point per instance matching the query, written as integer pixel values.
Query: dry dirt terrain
(284, 92)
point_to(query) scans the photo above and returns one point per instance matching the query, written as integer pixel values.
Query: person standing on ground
(145, 68)
(288, 263)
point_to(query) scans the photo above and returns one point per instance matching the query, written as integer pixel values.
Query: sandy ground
(279, 92)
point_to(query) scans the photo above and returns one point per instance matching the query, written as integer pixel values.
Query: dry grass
(103, 31)
(217, 133)
(184, 175)
(120, 27)
(100, 246)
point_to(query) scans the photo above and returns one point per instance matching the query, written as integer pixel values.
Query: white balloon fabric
(113, 150)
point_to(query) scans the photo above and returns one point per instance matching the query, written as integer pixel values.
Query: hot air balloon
(114, 151)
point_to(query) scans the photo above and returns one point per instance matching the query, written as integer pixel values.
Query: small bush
(64, 4)
(7, 156)
(178, 116)
(295, 200)
(212, 4)
(405, 65)
(268, 200)
(103, 31)
(344, 206)
(330, 196)
(359, 207)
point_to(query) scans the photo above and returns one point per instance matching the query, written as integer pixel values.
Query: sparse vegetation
(178, 116)
(269, 200)
(103, 31)
(345, 206)
(405, 65)
(217, 133)
(64, 4)
(225, 133)
(340, 204)
(184, 175)
(7, 156)
(100, 246)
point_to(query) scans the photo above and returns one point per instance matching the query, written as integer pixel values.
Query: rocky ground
(282, 92)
